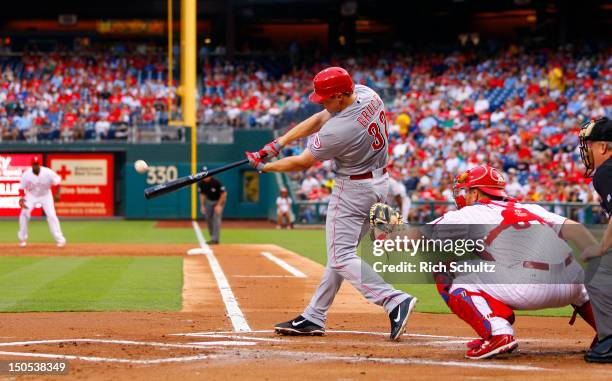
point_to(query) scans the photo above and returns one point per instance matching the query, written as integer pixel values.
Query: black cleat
(212, 242)
(299, 327)
(399, 317)
(601, 352)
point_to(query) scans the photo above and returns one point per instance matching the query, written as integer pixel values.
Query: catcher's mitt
(384, 219)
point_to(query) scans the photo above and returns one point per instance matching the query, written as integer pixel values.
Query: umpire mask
(593, 131)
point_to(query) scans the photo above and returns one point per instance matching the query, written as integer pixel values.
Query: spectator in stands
(511, 108)
(284, 215)
(309, 184)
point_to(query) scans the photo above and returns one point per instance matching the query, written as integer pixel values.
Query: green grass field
(90, 283)
(117, 283)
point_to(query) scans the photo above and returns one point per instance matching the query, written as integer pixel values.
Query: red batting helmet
(485, 178)
(331, 81)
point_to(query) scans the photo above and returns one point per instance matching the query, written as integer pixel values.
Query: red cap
(331, 81)
(35, 160)
(485, 178)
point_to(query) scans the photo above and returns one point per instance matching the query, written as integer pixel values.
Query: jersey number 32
(374, 130)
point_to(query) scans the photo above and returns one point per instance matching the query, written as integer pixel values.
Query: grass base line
(286, 266)
(231, 304)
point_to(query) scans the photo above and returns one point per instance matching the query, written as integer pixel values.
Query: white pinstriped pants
(347, 215)
(528, 296)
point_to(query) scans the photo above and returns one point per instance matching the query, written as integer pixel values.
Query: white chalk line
(334, 331)
(203, 245)
(195, 345)
(290, 269)
(231, 304)
(449, 344)
(326, 357)
(199, 345)
(263, 276)
(394, 361)
(228, 336)
(108, 359)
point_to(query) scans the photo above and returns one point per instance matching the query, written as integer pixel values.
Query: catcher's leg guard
(443, 283)
(586, 311)
(461, 303)
(499, 309)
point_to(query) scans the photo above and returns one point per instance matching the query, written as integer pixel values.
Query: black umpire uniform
(212, 193)
(599, 269)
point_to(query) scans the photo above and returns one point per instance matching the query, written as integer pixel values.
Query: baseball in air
(141, 166)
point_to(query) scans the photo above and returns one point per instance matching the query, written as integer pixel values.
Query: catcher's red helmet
(483, 177)
(331, 81)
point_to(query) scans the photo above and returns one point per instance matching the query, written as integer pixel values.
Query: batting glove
(255, 161)
(270, 150)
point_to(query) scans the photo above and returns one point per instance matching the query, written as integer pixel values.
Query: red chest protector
(517, 218)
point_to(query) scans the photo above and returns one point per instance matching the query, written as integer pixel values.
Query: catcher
(487, 303)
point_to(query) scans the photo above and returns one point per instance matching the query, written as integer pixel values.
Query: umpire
(212, 201)
(596, 154)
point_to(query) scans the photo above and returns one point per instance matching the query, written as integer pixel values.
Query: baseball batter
(527, 243)
(39, 186)
(351, 131)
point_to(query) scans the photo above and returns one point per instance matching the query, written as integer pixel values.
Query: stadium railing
(314, 212)
(118, 132)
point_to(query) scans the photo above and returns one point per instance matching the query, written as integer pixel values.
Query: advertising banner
(87, 184)
(12, 166)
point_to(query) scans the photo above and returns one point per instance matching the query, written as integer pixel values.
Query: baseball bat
(171, 186)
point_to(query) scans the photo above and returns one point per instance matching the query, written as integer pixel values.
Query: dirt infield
(202, 341)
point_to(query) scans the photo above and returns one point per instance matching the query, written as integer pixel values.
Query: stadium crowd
(515, 109)
(89, 95)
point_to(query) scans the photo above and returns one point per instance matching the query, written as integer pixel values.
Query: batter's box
(121, 351)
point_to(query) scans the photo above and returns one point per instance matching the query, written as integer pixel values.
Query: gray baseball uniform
(356, 139)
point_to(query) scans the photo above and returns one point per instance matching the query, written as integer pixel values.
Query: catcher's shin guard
(586, 311)
(461, 303)
(444, 282)
(499, 308)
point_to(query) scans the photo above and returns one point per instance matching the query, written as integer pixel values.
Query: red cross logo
(64, 172)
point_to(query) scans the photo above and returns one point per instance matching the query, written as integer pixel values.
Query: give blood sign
(87, 184)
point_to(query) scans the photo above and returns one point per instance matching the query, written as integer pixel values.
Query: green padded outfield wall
(250, 195)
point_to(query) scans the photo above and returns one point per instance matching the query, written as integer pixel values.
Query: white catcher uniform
(38, 192)
(356, 140)
(534, 254)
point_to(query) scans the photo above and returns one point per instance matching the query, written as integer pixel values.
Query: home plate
(197, 251)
